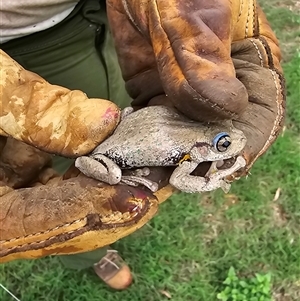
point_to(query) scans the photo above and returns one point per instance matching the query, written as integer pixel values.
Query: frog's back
(150, 137)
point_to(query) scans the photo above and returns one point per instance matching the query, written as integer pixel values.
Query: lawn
(185, 252)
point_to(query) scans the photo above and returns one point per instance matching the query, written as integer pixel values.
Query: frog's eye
(221, 142)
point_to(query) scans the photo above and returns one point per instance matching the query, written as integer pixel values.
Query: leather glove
(214, 60)
(72, 214)
(210, 59)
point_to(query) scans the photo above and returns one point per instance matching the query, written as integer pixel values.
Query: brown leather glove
(213, 59)
(71, 214)
(182, 49)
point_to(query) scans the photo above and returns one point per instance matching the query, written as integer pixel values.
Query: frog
(162, 136)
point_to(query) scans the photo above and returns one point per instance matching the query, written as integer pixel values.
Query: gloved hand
(72, 214)
(213, 59)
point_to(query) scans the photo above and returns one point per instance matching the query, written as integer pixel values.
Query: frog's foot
(214, 168)
(100, 168)
(214, 178)
(125, 112)
(139, 180)
(215, 174)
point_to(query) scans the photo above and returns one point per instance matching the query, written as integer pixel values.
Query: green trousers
(77, 53)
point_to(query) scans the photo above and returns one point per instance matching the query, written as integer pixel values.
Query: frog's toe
(100, 168)
(225, 186)
(142, 172)
(240, 162)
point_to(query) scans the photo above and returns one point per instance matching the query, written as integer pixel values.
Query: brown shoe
(113, 271)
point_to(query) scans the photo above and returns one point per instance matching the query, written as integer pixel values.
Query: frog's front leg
(100, 168)
(182, 180)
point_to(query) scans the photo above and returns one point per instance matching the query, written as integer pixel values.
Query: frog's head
(222, 141)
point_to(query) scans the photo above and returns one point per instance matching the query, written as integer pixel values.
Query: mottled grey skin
(160, 136)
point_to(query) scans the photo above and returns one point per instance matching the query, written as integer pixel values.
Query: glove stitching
(254, 19)
(55, 228)
(247, 23)
(277, 78)
(38, 242)
(213, 105)
(278, 120)
(268, 51)
(258, 52)
(240, 11)
(44, 232)
(129, 15)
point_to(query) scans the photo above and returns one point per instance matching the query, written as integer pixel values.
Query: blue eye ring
(221, 142)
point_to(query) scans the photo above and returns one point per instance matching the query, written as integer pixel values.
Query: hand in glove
(69, 215)
(213, 59)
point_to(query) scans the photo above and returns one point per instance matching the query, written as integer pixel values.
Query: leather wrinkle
(219, 107)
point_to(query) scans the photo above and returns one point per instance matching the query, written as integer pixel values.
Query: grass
(285, 19)
(185, 252)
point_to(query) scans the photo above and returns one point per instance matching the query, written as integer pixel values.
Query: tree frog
(161, 136)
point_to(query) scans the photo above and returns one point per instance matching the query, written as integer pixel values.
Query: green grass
(285, 19)
(188, 248)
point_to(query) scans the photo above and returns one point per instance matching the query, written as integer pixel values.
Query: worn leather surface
(51, 117)
(54, 215)
(182, 49)
(263, 118)
(213, 59)
(69, 216)
(21, 163)
(210, 59)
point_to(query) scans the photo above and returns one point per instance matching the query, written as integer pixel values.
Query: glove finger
(20, 164)
(50, 117)
(135, 54)
(193, 57)
(190, 50)
(71, 216)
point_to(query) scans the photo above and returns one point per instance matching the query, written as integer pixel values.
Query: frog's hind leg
(100, 168)
(182, 179)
